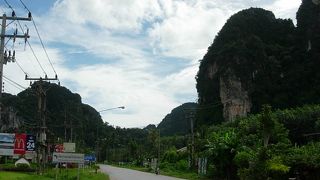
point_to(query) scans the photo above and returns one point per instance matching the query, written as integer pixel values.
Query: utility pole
(158, 163)
(65, 124)
(42, 127)
(71, 130)
(190, 115)
(4, 56)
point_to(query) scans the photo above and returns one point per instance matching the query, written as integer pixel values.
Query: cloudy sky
(141, 54)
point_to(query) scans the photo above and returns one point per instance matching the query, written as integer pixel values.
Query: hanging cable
(36, 58)
(43, 45)
(17, 87)
(24, 5)
(27, 41)
(8, 4)
(15, 82)
(25, 73)
(41, 42)
(34, 54)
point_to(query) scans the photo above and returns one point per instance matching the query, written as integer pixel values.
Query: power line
(43, 46)
(12, 84)
(41, 42)
(33, 51)
(8, 4)
(15, 82)
(36, 57)
(27, 41)
(24, 5)
(21, 68)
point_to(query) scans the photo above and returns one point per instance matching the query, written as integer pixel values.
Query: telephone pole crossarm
(41, 79)
(16, 36)
(15, 18)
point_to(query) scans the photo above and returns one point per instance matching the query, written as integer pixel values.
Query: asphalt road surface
(128, 174)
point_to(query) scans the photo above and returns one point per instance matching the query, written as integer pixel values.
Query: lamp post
(120, 107)
(97, 145)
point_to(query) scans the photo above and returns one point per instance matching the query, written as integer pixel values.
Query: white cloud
(188, 30)
(284, 8)
(105, 86)
(133, 35)
(120, 15)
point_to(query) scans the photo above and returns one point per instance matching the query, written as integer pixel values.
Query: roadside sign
(20, 144)
(6, 144)
(58, 148)
(69, 147)
(30, 143)
(68, 158)
(90, 158)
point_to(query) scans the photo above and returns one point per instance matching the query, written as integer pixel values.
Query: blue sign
(30, 143)
(90, 158)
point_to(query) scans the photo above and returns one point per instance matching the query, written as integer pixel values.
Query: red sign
(20, 144)
(58, 148)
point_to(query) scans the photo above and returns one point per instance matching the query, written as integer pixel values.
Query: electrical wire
(17, 87)
(36, 28)
(34, 54)
(8, 4)
(36, 57)
(27, 41)
(18, 64)
(15, 82)
(43, 45)
(24, 5)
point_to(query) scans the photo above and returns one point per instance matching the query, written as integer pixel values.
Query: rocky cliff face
(9, 120)
(257, 59)
(235, 99)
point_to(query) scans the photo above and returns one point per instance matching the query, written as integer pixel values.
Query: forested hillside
(258, 76)
(258, 59)
(177, 122)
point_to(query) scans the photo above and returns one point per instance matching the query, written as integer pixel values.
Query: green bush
(20, 167)
(182, 165)
(23, 166)
(170, 156)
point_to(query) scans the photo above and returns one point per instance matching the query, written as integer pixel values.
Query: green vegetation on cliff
(177, 122)
(265, 55)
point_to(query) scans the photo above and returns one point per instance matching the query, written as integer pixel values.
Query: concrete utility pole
(42, 127)
(4, 57)
(190, 114)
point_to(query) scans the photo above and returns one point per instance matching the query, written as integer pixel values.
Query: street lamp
(97, 145)
(120, 107)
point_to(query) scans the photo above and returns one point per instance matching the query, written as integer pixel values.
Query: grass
(21, 176)
(63, 174)
(183, 175)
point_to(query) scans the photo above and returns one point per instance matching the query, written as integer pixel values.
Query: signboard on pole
(69, 147)
(20, 144)
(58, 148)
(90, 158)
(67, 158)
(6, 144)
(30, 143)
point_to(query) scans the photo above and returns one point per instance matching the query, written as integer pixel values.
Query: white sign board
(67, 158)
(6, 144)
(69, 147)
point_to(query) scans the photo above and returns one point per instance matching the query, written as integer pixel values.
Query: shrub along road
(125, 174)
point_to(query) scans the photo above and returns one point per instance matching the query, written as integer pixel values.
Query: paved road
(128, 174)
